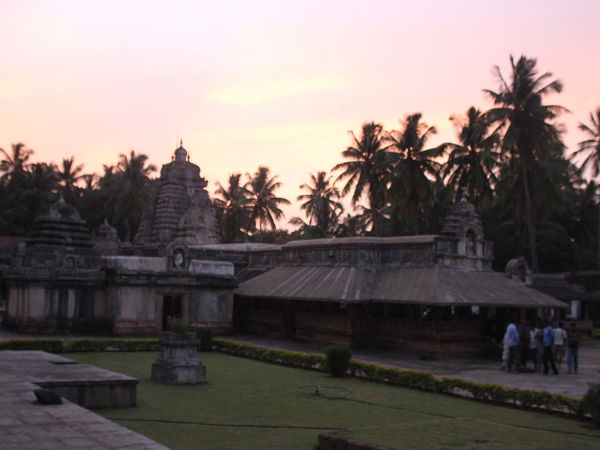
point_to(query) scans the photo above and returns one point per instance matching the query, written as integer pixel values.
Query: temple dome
(181, 154)
(60, 225)
(462, 219)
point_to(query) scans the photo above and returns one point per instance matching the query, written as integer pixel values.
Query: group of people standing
(542, 344)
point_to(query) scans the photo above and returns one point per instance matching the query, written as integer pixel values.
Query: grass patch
(247, 392)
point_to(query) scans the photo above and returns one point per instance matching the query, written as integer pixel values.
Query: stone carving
(178, 363)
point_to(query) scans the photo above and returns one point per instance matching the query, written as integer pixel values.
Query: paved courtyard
(27, 425)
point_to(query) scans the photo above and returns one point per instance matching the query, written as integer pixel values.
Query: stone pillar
(178, 363)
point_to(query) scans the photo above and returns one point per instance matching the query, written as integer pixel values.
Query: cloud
(255, 92)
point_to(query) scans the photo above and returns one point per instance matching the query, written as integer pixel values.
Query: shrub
(338, 360)
(46, 345)
(205, 336)
(177, 325)
(591, 403)
(81, 345)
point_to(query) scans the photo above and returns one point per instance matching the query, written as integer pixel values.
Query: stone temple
(179, 207)
(425, 292)
(63, 278)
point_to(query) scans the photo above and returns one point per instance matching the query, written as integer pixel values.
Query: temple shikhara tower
(178, 208)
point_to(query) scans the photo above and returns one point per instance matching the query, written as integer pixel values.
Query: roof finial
(181, 142)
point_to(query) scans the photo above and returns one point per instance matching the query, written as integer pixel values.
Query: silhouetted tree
(233, 209)
(529, 135)
(366, 169)
(263, 201)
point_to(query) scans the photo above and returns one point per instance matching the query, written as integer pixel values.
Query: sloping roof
(431, 285)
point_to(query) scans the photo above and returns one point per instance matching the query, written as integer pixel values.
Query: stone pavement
(478, 370)
(27, 425)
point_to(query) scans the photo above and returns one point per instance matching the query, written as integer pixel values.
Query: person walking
(560, 338)
(573, 350)
(547, 357)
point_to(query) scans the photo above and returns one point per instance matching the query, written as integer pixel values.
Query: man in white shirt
(560, 339)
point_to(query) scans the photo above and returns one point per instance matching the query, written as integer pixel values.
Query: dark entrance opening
(171, 308)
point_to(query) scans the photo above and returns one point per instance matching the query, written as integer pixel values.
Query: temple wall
(135, 309)
(51, 309)
(211, 308)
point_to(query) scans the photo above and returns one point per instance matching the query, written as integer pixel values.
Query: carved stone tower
(179, 207)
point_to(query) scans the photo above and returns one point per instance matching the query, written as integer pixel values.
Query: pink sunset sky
(271, 83)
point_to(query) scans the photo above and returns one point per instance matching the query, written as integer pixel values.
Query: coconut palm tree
(366, 168)
(264, 203)
(68, 174)
(320, 204)
(127, 187)
(472, 163)
(413, 168)
(590, 147)
(530, 138)
(16, 161)
(233, 207)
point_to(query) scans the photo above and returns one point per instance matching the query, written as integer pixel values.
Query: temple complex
(426, 292)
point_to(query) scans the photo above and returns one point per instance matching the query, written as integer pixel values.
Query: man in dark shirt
(572, 349)
(547, 357)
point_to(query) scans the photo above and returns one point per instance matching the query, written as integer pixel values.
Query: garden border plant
(411, 379)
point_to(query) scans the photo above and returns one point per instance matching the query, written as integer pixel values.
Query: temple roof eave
(431, 285)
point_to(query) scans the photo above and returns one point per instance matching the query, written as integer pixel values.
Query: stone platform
(26, 424)
(86, 385)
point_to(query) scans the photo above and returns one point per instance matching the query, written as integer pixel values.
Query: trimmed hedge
(81, 345)
(284, 358)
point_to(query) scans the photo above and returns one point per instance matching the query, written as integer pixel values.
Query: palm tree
(233, 208)
(410, 188)
(127, 190)
(263, 202)
(591, 145)
(320, 203)
(472, 163)
(530, 138)
(68, 175)
(16, 161)
(37, 192)
(366, 168)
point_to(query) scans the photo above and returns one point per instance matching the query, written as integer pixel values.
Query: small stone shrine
(178, 363)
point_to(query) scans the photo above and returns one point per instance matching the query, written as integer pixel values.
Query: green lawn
(241, 391)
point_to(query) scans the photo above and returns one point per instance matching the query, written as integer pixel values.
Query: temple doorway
(171, 308)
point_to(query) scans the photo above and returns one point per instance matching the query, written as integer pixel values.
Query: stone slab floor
(27, 425)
